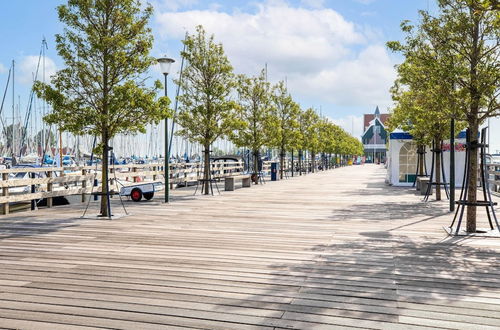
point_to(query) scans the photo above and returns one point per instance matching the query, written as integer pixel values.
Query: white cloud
(360, 81)
(3, 69)
(28, 67)
(351, 124)
(271, 35)
(323, 55)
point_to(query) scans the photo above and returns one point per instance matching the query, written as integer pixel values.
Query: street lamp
(165, 64)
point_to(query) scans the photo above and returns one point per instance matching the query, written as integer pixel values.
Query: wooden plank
(5, 194)
(337, 249)
(40, 181)
(40, 195)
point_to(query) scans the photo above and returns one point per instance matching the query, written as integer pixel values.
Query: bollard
(96, 183)
(33, 202)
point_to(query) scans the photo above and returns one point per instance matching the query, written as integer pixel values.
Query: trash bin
(275, 167)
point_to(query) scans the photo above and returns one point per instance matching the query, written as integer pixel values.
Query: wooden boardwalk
(337, 249)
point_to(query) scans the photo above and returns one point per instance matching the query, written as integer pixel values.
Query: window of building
(408, 162)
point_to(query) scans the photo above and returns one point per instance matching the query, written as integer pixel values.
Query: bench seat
(230, 180)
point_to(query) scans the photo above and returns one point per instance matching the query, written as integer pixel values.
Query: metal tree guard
(436, 152)
(463, 201)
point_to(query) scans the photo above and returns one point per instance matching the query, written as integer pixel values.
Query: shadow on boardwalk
(31, 225)
(377, 279)
(389, 211)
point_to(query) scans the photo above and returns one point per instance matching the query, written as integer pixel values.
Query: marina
(267, 164)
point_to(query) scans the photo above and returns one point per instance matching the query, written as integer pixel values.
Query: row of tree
(251, 112)
(102, 89)
(451, 70)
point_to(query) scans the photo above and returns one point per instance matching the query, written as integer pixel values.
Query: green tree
(468, 32)
(459, 50)
(328, 138)
(424, 94)
(334, 141)
(206, 111)
(254, 101)
(310, 134)
(283, 122)
(303, 124)
(401, 117)
(101, 91)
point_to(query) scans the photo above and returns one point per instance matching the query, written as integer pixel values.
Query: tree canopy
(255, 115)
(451, 69)
(283, 121)
(102, 88)
(207, 110)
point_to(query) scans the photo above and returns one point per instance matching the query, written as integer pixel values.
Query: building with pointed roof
(374, 136)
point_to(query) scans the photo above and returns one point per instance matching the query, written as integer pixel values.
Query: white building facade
(402, 159)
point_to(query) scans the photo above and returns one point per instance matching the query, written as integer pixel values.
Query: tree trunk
(282, 162)
(306, 165)
(300, 162)
(206, 170)
(104, 174)
(256, 164)
(421, 149)
(437, 145)
(472, 190)
(475, 97)
(313, 162)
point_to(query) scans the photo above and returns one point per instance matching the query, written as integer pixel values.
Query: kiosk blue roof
(407, 136)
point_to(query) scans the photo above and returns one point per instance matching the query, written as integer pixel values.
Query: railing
(29, 187)
(25, 184)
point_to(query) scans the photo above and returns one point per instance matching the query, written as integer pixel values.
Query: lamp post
(452, 164)
(165, 64)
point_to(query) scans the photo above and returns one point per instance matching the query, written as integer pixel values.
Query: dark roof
(368, 118)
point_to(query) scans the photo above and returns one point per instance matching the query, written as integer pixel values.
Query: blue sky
(331, 52)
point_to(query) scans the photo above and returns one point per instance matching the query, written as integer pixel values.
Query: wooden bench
(229, 181)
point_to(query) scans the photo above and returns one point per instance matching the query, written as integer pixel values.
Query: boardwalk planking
(336, 249)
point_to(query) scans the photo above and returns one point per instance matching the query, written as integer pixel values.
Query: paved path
(336, 249)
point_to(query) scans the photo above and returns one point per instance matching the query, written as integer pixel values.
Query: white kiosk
(402, 159)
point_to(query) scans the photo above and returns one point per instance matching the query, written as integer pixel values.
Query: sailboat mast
(44, 43)
(13, 111)
(60, 149)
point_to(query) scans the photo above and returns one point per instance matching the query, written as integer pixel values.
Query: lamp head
(165, 64)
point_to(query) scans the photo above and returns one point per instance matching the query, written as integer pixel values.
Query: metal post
(452, 165)
(489, 130)
(13, 114)
(167, 152)
(33, 190)
(292, 163)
